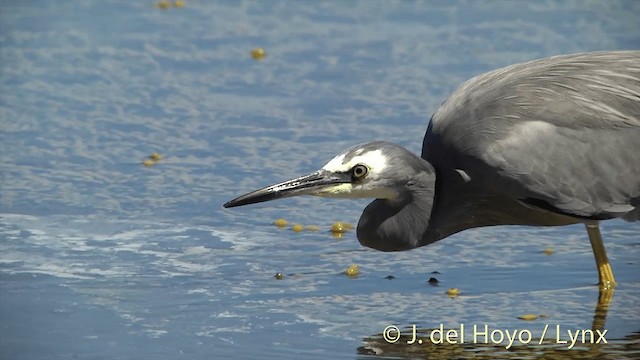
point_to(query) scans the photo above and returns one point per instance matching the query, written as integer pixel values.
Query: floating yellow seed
(297, 227)
(163, 4)
(548, 251)
(148, 163)
(155, 156)
(340, 227)
(453, 292)
(528, 317)
(352, 270)
(178, 3)
(279, 276)
(258, 54)
(280, 222)
(313, 227)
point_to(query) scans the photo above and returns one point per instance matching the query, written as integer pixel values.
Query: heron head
(377, 170)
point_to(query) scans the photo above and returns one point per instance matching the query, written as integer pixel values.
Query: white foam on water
(71, 247)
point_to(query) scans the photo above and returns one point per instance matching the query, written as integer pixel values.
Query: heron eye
(359, 171)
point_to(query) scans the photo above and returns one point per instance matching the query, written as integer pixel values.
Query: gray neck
(420, 218)
(403, 223)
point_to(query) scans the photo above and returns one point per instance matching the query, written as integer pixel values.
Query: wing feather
(562, 131)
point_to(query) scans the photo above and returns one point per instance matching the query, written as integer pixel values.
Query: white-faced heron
(549, 142)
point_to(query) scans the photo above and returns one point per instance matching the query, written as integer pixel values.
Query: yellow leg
(602, 262)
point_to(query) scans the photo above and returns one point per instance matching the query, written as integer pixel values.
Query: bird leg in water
(602, 262)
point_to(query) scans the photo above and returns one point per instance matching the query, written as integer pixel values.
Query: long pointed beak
(309, 184)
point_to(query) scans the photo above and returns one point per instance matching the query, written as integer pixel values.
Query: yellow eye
(359, 171)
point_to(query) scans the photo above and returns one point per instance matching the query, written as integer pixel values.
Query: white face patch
(347, 191)
(335, 163)
(373, 159)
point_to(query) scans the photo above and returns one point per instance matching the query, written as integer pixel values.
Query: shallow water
(101, 257)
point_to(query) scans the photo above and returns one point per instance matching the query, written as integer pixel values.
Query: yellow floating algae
(453, 292)
(340, 227)
(352, 270)
(164, 4)
(258, 54)
(280, 223)
(528, 317)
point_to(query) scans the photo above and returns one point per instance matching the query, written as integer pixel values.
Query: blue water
(103, 258)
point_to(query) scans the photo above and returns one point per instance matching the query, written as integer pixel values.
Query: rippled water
(101, 257)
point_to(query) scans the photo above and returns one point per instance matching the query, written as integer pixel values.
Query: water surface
(102, 258)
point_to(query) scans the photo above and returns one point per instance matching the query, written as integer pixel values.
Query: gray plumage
(554, 141)
(575, 125)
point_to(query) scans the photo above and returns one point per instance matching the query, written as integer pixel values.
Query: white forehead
(374, 159)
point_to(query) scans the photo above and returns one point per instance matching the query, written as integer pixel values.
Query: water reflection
(602, 308)
(480, 342)
(614, 349)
